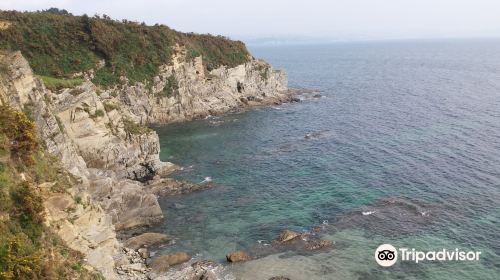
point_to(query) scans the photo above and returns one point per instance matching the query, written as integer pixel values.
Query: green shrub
(28, 249)
(108, 107)
(21, 132)
(134, 128)
(56, 83)
(171, 87)
(58, 44)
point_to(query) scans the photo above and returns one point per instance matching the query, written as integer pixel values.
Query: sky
(293, 19)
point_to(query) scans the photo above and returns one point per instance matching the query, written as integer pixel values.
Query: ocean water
(403, 148)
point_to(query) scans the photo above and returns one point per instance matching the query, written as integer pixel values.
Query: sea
(394, 142)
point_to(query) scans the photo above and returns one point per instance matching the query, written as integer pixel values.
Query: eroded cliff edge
(101, 136)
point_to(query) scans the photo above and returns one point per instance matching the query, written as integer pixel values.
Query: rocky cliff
(101, 137)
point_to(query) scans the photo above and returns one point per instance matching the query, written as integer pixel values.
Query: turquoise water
(415, 122)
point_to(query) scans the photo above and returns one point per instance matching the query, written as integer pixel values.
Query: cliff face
(101, 138)
(198, 94)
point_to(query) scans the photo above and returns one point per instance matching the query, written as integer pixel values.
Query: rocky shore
(101, 137)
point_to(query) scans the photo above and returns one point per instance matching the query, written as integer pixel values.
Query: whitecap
(367, 213)
(325, 222)
(206, 180)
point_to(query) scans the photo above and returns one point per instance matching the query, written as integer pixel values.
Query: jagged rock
(238, 256)
(146, 240)
(288, 235)
(127, 201)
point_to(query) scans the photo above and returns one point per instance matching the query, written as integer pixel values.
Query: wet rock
(295, 99)
(146, 240)
(317, 95)
(318, 244)
(288, 235)
(279, 278)
(251, 98)
(161, 264)
(238, 256)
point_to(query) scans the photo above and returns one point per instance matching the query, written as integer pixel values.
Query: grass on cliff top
(58, 44)
(28, 249)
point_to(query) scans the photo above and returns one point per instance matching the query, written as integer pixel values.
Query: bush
(171, 87)
(28, 249)
(108, 107)
(56, 83)
(21, 131)
(58, 44)
(134, 128)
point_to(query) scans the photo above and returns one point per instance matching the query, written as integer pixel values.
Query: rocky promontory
(101, 136)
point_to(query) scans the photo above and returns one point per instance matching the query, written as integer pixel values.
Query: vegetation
(108, 107)
(58, 44)
(28, 249)
(171, 87)
(57, 83)
(134, 128)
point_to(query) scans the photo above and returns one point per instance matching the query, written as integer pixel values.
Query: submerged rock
(318, 244)
(288, 235)
(146, 240)
(238, 256)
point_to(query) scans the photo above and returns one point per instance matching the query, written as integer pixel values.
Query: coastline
(102, 139)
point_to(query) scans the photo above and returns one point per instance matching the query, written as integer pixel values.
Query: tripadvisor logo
(387, 255)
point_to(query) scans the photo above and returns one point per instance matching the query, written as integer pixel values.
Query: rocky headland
(100, 134)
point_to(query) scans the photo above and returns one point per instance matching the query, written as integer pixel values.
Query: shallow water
(414, 121)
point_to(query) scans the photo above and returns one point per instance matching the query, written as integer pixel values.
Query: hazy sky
(333, 19)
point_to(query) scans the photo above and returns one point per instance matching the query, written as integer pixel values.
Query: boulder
(238, 256)
(161, 264)
(146, 240)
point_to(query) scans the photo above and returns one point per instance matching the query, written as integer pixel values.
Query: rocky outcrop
(198, 94)
(101, 139)
(86, 228)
